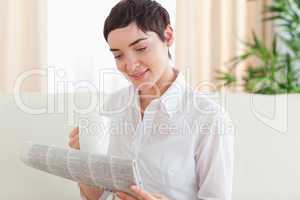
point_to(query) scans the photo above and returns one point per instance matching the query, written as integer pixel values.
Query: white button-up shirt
(183, 145)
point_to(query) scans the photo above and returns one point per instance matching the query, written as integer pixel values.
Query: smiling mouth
(139, 75)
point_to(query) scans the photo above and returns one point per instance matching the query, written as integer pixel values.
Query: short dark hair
(148, 15)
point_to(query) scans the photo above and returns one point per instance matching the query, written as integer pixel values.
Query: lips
(139, 74)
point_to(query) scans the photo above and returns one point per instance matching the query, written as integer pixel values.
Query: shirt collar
(170, 102)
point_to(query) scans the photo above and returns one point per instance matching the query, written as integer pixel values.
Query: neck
(159, 88)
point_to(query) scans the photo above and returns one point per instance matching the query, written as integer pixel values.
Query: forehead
(126, 35)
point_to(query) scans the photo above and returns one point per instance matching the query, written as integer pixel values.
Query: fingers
(74, 139)
(74, 132)
(74, 142)
(143, 194)
(124, 196)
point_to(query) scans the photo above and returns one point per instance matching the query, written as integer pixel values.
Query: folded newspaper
(112, 173)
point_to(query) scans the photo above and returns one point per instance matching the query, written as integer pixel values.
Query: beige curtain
(22, 42)
(209, 34)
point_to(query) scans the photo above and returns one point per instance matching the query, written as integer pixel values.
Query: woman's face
(141, 57)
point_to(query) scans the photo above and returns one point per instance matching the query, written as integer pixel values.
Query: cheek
(158, 63)
(122, 69)
(120, 66)
(159, 58)
(153, 60)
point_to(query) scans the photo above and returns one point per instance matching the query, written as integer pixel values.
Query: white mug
(94, 133)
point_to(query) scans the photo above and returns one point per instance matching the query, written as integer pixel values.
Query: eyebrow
(131, 44)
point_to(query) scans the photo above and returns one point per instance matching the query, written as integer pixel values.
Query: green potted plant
(266, 115)
(277, 69)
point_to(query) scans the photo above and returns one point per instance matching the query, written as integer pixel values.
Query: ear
(169, 36)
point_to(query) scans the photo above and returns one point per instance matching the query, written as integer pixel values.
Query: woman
(182, 141)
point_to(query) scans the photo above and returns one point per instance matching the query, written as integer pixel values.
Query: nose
(131, 63)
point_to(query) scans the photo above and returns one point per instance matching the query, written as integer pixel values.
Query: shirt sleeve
(214, 159)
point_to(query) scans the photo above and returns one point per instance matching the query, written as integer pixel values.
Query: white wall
(267, 144)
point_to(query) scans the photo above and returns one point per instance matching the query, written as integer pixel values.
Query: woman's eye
(142, 49)
(118, 56)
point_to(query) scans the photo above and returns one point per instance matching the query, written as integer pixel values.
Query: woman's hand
(74, 139)
(141, 194)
